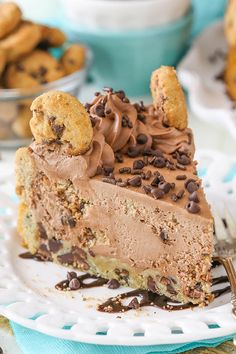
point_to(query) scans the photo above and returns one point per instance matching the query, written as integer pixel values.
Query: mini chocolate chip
(181, 177)
(134, 304)
(99, 110)
(141, 117)
(193, 207)
(192, 187)
(141, 139)
(174, 197)
(180, 166)
(151, 285)
(130, 124)
(165, 186)
(156, 180)
(148, 152)
(148, 175)
(71, 275)
(147, 189)
(109, 180)
(159, 162)
(170, 166)
(164, 236)
(113, 284)
(136, 172)
(180, 193)
(138, 164)
(107, 170)
(183, 159)
(135, 181)
(194, 197)
(74, 284)
(120, 94)
(54, 245)
(172, 185)
(132, 152)
(125, 170)
(71, 222)
(157, 193)
(108, 111)
(119, 157)
(124, 122)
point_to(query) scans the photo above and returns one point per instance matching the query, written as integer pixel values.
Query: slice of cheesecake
(111, 188)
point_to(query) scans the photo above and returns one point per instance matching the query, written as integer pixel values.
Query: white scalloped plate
(28, 296)
(198, 71)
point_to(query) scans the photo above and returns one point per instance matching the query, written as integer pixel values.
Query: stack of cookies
(26, 62)
(230, 33)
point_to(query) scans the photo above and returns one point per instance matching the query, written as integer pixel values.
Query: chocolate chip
(113, 284)
(134, 304)
(54, 245)
(108, 111)
(193, 207)
(99, 110)
(107, 170)
(174, 197)
(148, 175)
(159, 162)
(132, 152)
(138, 164)
(156, 180)
(120, 94)
(74, 284)
(164, 236)
(194, 197)
(135, 181)
(71, 222)
(119, 157)
(172, 185)
(130, 124)
(180, 166)
(141, 139)
(148, 152)
(147, 189)
(71, 275)
(125, 170)
(157, 193)
(151, 285)
(136, 172)
(181, 177)
(180, 193)
(183, 159)
(42, 231)
(141, 117)
(109, 180)
(165, 186)
(192, 187)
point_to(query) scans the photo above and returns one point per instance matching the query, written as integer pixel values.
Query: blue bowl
(125, 60)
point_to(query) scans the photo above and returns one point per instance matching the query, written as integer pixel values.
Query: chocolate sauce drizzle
(98, 281)
(37, 257)
(140, 297)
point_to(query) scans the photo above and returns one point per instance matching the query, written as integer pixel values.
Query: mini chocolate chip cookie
(21, 41)
(74, 58)
(230, 73)
(230, 23)
(3, 60)
(51, 37)
(60, 117)
(35, 69)
(168, 97)
(10, 16)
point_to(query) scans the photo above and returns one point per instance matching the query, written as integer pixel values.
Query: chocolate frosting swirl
(118, 124)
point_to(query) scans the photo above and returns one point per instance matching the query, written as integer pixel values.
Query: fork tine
(220, 231)
(230, 223)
